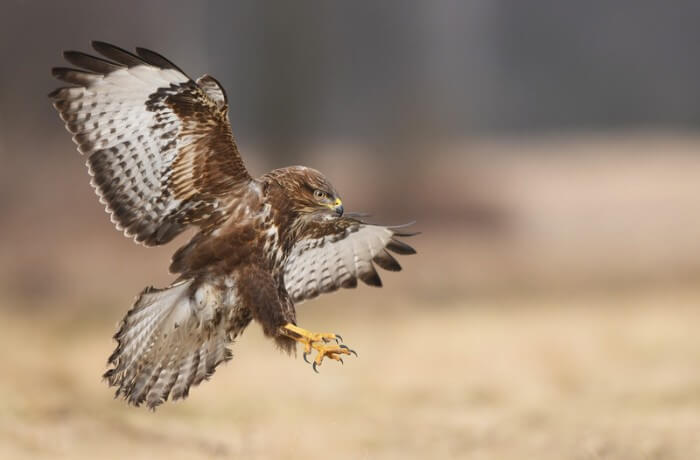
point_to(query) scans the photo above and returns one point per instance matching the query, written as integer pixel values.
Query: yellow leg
(316, 341)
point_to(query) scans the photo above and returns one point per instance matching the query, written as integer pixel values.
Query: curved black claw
(341, 361)
(338, 338)
(349, 350)
(314, 366)
(305, 355)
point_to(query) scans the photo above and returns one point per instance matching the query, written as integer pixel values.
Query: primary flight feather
(162, 155)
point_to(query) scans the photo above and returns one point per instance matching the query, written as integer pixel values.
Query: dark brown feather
(404, 234)
(349, 283)
(157, 60)
(400, 247)
(370, 277)
(386, 261)
(92, 63)
(117, 54)
(74, 76)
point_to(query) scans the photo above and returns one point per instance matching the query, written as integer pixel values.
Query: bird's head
(308, 192)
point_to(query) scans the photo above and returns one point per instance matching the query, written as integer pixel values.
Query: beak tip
(339, 210)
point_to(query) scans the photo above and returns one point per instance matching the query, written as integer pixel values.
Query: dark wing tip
(400, 247)
(349, 283)
(75, 76)
(117, 54)
(406, 234)
(157, 59)
(62, 72)
(92, 63)
(54, 94)
(371, 277)
(387, 261)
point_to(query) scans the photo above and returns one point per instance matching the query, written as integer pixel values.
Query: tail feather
(185, 376)
(171, 339)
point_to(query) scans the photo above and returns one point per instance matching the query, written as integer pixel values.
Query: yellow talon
(317, 341)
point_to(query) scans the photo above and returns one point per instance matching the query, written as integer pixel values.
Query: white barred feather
(148, 131)
(341, 257)
(173, 338)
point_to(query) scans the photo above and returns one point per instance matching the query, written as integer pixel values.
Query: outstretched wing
(159, 145)
(337, 253)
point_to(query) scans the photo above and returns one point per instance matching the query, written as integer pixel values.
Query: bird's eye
(319, 194)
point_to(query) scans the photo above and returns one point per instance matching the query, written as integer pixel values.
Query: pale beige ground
(611, 375)
(562, 324)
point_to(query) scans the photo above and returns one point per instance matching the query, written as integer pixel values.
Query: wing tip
(54, 94)
(387, 261)
(371, 277)
(399, 247)
(98, 44)
(116, 53)
(157, 59)
(92, 63)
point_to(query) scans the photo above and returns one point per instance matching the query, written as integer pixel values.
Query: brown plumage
(162, 155)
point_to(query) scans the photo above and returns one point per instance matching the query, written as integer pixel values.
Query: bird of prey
(162, 158)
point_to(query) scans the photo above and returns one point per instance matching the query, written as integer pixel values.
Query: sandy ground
(612, 375)
(563, 326)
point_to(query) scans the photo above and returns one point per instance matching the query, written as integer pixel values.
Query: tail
(171, 339)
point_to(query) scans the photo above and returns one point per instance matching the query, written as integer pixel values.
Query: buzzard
(162, 158)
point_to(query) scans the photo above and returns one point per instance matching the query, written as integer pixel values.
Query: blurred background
(550, 152)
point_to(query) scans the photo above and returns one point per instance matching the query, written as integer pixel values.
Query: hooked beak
(338, 207)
